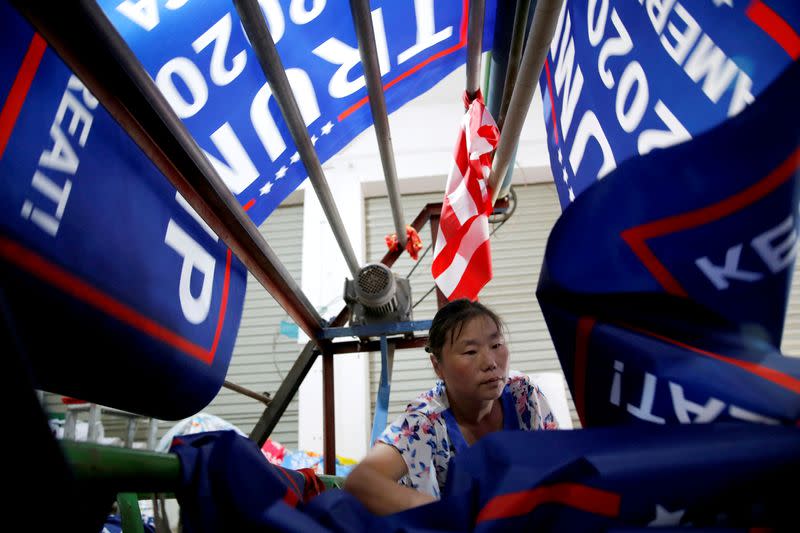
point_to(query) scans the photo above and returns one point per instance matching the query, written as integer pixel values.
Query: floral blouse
(427, 436)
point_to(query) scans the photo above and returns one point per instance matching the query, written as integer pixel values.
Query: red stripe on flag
(298, 493)
(19, 89)
(575, 495)
(552, 98)
(70, 284)
(223, 306)
(775, 26)
(480, 268)
(290, 498)
(446, 254)
(779, 378)
(637, 236)
(460, 154)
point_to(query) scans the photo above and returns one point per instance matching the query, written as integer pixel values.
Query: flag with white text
(679, 315)
(201, 60)
(624, 78)
(104, 266)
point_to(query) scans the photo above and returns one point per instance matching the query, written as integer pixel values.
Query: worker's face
(474, 365)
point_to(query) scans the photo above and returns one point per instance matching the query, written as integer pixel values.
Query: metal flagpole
(362, 19)
(474, 46)
(541, 34)
(256, 28)
(514, 55)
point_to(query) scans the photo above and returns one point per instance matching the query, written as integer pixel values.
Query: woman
(474, 396)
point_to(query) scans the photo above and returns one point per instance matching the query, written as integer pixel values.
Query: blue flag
(707, 476)
(623, 78)
(119, 292)
(665, 285)
(199, 56)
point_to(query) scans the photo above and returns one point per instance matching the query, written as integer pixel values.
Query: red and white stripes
(462, 262)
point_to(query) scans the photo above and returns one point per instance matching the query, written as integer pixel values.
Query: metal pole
(289, 386)
(541, 34)
(92, 48)
(514, 55)
(152, 434)
(329, 414)
(94, 423)
(362, 19)
(256, 28)
(441, 299)
(247, 392)
(474, 46)
(130, 435)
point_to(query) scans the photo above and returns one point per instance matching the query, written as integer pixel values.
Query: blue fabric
(643, 333)
(227, 483)
(704, 476)
(92, 248)
(204, 42)
(623, 78)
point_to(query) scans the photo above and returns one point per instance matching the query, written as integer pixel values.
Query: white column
(323, 273)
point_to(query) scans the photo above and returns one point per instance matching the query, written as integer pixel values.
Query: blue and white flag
(713, 477)
(665, 285)
(623, 78)
(199, 56)
(116, 290)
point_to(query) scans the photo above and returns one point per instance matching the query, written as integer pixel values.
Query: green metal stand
(129, 512)
(135, 475)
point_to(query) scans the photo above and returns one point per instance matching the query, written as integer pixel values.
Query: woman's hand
(374, 482)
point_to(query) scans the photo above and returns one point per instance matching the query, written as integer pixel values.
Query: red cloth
(67, 400)
(313, 485)
(273, 451)
(462, 261)
(413, 242)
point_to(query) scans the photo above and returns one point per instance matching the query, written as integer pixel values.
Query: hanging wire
(424, 296)
(499, 220)
(413, 268)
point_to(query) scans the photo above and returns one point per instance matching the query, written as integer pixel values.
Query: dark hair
(450, 320)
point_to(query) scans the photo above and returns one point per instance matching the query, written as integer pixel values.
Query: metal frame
(90, 45)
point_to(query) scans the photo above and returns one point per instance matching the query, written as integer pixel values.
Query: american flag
(462, 261)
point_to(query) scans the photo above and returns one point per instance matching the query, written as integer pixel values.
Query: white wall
(323, 275)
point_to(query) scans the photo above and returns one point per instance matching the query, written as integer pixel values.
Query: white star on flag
(728, 3)
(266, 188)
(281, 172)
(295, 158)
(326, 129)
(667, 518)
(314, 139)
